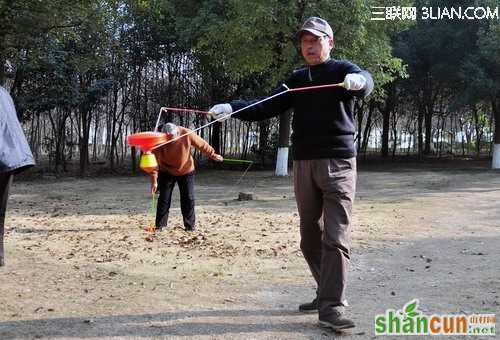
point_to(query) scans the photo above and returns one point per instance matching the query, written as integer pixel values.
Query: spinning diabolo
(147, 141)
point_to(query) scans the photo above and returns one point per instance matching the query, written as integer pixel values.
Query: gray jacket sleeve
(15, 153)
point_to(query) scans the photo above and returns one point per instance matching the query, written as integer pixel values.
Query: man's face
(315, 50)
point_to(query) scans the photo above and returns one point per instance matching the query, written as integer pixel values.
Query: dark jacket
(323, 119)
(15, 153)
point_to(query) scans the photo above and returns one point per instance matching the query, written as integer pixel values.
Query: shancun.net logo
(410, 321)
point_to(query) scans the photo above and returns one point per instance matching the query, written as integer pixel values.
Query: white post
(282, 162)
(495, 164)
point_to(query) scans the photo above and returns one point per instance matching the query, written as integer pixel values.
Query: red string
(315, 87)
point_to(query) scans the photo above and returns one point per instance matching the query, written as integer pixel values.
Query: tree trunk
(2, 60)
(386, 115)
(283, 143)
(368, 127)
(478, 129)
(84, 151)
(453, 133)
(395, 139)
(428, 129)
(95, 140)
(386, 110)
(263, 139)
(245, 143)
(85, 118)
(495, 105)
(224, 137)
(215, 140)
(439, 137)
(113, 122)
(409, 144)
(360, 113)
(420, 132)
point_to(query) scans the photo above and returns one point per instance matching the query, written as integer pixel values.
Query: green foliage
(460, 56)
(257, 39)
(489, 53)
(234, 42)
(24, 23)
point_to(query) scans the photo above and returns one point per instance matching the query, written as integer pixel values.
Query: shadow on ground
(162, 324)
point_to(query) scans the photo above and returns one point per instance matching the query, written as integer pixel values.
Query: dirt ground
(78, 264)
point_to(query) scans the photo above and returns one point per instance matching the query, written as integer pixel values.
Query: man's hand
(154, 183)
(219, 111)
(354, 82)
(217, 158)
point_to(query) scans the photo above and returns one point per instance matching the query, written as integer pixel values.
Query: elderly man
(177, 165)
(15, 155)
(324, 164)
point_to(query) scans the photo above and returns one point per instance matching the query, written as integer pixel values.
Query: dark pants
(325, 188)
(5, 181)
(166, 183)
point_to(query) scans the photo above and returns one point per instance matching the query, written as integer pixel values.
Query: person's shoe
(336, 320)
(189, 228)
(309, 307)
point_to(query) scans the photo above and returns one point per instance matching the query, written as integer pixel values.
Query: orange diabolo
(147, 141)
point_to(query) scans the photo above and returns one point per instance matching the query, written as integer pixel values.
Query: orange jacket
(175, 158)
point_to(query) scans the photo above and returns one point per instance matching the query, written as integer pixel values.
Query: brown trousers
(325, 188)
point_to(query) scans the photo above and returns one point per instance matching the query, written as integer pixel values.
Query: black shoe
(309, 307)
(336, 320)
(189, 228)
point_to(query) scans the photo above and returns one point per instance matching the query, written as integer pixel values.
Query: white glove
(354, 82)
(220, 111)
